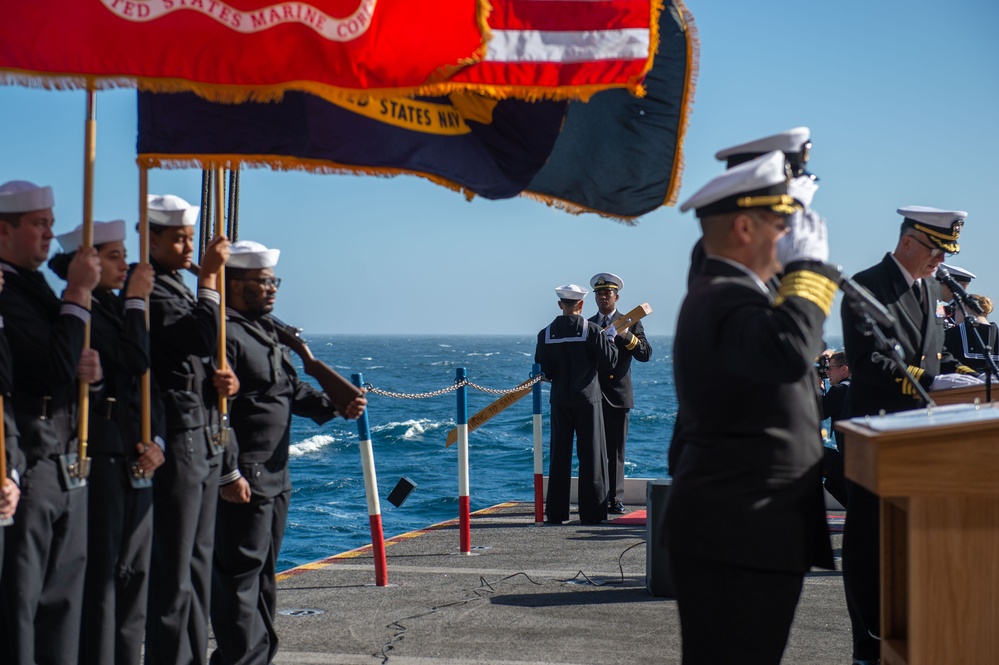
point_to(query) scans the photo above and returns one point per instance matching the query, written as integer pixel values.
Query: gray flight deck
(570, 594)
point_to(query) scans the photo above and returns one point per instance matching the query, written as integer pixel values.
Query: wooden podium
(937, 474)
(964, 395)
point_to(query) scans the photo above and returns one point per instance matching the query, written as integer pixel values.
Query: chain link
(457, 384)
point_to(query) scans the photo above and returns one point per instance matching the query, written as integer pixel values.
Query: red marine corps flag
(234, 50)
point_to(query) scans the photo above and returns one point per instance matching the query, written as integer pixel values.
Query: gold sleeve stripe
(808, 285)
(907, 387)
(964, 369)
(633, 343)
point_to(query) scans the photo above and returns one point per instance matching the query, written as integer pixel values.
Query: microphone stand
(869, 327)
(990, 364)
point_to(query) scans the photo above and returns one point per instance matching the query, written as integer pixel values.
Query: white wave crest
(310, 445)
(414, 428)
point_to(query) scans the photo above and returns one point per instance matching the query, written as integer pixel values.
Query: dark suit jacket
(747, 473)
(269, 393)
(569, 351)
(878, 383)
(616, 382)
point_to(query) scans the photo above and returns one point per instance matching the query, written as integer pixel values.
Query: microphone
(863, 301)
(944, 277)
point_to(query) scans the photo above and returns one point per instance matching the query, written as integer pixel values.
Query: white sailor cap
(794, 143)
(943, 227)
(758, 183)
(571, 292)
(103, 232)
(606, 280)
(958, 273)
(251, 255)
(170, 210)
(24, 196)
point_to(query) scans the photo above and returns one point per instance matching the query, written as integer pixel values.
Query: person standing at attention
(119, 537)
(902, 282)
(183, 335)
(570, 351)
(746, 515)
(615, 384)
(46, 547)
(255, 486)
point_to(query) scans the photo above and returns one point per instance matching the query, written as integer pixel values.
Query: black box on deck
(657, 577)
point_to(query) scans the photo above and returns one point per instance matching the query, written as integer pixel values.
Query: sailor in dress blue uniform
(570, 351)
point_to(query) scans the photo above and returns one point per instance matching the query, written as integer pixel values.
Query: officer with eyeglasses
(903, 282)
(256, 486)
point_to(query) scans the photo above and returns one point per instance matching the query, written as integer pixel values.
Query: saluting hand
(140, 283)
(237, 492)
(89, 368)
(225, 382)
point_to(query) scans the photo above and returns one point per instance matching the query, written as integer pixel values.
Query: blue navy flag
(620, 155)
(467, 142)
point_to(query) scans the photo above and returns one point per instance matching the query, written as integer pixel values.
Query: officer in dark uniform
(184, 338)
(902, 282)
(10, 490)
(46, 548)
(745, 518)
(120, 530)
(255, 485)
(615, 385)
(570, 351)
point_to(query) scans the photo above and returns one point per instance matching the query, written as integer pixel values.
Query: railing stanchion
(371, 491)
(539, 481)
(464, 514)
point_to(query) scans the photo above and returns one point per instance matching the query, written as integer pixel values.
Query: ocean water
(328, 513)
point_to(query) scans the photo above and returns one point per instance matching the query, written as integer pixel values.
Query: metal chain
(457, 384)
(507, 391)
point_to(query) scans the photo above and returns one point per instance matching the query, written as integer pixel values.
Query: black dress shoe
(616, 507)
(554, 522)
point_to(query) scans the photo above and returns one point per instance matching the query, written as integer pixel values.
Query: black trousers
(244, 594)
(586, 424)
(733, 615)
(119, 545)
(185, 498)
(861, 569)
(44, 567)
(615, 436)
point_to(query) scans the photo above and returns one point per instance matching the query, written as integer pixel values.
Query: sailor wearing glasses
(903, 282)
(255, 485)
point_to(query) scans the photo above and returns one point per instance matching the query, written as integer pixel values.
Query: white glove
(946, 381)
(802, 189)
(611, 332)
(982, 378)
(805, 241)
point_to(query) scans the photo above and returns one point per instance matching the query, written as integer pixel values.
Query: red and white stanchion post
(371, 490)
(464, 506)
(539, 471)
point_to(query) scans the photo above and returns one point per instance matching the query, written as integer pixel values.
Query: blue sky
(902, 99)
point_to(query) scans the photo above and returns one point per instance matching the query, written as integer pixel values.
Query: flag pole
(139, 477)
(89, 158)
(219, 202)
